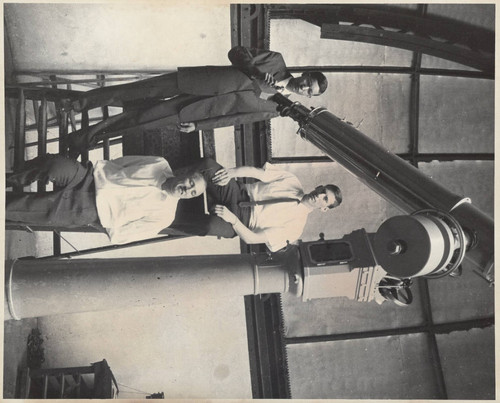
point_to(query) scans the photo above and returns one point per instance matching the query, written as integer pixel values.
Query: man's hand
(269, 79)
(223, 176)
(187, 127)
(265, 81)
(265, 86)
(224, 213)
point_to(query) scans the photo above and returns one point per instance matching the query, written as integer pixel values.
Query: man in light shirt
(194, 98)
(273, 210)
(133, 197)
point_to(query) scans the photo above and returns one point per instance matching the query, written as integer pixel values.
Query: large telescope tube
(393, 178)
(41, 287)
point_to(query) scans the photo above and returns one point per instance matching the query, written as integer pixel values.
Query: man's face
(320, 198)
(304, 85)
(187, 186)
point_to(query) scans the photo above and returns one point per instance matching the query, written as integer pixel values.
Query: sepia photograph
(311, 219)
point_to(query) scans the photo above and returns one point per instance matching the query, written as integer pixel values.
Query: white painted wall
(117, 36)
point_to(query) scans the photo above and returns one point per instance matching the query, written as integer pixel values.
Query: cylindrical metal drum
(411, 246)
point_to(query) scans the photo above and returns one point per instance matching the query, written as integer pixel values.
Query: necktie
(270, 201)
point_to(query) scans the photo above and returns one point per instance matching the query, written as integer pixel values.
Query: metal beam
(404, 20)
(114, 247)
(81, 72)
(481, 61)
(431, 336)
(420, 157)
(268, 368)
(101, 79)
(443, 328)
(414, 108)
(395, 70)
(19, 135)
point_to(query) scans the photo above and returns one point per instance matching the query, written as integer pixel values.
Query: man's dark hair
(338, 195)
(321, 79)
(191, 171)
(199, 174)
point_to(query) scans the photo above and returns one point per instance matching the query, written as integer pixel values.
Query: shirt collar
(303, 206)
(283, 83)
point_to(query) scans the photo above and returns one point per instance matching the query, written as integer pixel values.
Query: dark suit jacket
(231, 94)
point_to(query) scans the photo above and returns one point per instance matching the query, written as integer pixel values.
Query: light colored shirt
(279, 222)
(130, 202)
(283, 83)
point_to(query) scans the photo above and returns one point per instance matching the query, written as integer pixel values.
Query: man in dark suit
(196, 98)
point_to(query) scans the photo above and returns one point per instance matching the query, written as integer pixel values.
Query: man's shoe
(65, 105)
(68, 105)
(76, 144)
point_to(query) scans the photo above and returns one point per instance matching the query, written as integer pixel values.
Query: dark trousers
(71, 206)
(148, 90)
(144, 107)
(196, 223)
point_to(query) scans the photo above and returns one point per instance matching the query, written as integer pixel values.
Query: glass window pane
(468, 360)
(474, 179)
(433, 62)
(300, 44)
(456, 115)
(394, 367)
(481, 15)
(326, 316)
(468, 296)
(376, 104)
(463, 298)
